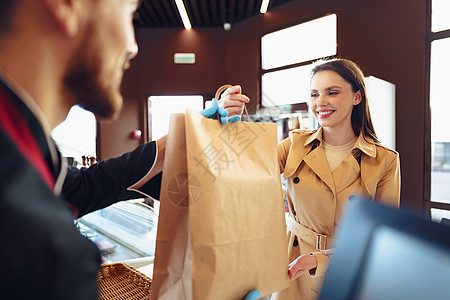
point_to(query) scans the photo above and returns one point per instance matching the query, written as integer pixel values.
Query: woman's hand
(233, 100)
(253, 295)
(301, 265)
(215, 110)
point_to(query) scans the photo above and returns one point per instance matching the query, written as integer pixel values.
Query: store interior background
(386, 38)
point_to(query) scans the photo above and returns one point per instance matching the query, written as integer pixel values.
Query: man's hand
(233, 100)
(301, 265)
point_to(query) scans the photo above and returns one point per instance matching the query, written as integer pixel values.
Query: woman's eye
(332, 93)
(313, 95)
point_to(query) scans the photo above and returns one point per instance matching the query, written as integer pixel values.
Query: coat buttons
(296, 180)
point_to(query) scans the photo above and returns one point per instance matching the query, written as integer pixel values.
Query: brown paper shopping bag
(221, 230)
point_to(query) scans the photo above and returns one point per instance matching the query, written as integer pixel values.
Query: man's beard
(85, 83)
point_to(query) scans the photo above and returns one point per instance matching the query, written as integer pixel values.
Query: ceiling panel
(202, 13)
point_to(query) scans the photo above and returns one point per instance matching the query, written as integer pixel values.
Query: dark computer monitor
(383, 253)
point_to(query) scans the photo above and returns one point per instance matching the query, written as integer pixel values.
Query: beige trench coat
(317, 198)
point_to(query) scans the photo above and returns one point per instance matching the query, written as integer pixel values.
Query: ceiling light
(227, 26)
(183, 14)
(264, 6)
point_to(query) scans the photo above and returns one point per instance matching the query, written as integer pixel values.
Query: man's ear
(66, 14)
(358, 98)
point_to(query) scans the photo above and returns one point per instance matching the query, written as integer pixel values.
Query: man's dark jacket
(42, 254)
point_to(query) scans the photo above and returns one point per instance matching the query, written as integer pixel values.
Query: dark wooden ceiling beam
(179, 22)
(222, 11)
(241, 9)
(171, 15)
(160, 13)
(138, 20)
(202, 13)
(248, 9)
(149, 10)
(215, 15)
(206, 12)
(194, 13)
(256, 7)
(232, 17)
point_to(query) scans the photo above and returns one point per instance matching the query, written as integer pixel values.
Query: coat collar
(366, 147)
(302, 149)
(361, 143)
(302, 144)
(316, 135)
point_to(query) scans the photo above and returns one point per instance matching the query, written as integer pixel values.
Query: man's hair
(6, 11)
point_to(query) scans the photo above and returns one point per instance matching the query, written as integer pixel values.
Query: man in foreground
(55, 54)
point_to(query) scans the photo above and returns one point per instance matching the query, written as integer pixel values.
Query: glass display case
(123, 232)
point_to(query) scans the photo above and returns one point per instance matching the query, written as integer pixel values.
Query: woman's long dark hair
(350, 72)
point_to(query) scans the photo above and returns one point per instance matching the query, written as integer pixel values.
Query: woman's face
(332, 100)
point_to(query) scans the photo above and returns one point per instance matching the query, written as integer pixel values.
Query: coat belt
(314, 239)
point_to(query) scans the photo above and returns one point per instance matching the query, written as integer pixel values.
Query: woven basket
(121, 281)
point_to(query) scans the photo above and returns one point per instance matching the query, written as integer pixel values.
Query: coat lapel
(303, 149)
(346, 173)
(317, 162)
(298, 150)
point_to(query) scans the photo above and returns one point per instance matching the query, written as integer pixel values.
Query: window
(161, 107)
(287, 56)
(439, 104)
(440, 20)
(76, 136)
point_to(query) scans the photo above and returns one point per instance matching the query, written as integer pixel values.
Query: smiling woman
(325, 167)
(333, 102)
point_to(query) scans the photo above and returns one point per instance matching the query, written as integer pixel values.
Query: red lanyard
(16, 128)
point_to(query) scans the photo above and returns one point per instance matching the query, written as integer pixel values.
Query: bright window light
(440, 19)
(439, 106)
(76, 136)
(440, 135)
(286, 86)
(438, 214)
(161, 107)
(303, 42)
